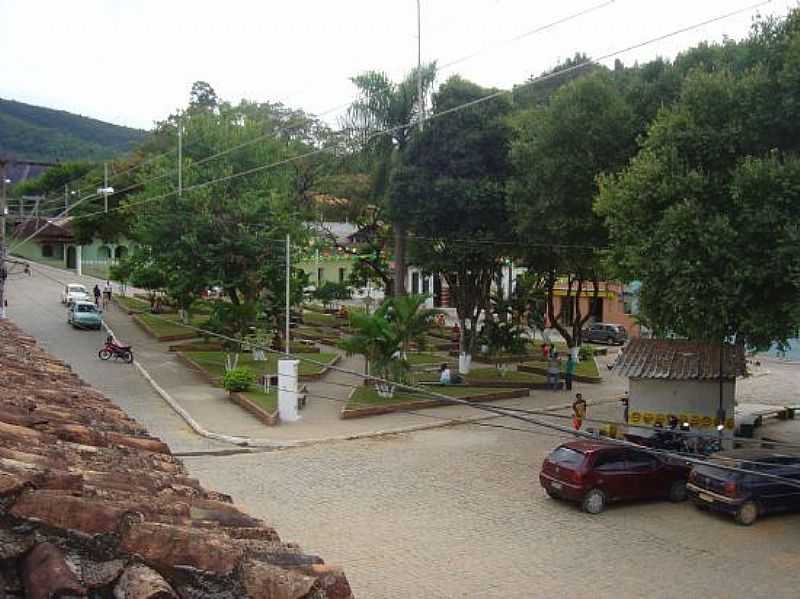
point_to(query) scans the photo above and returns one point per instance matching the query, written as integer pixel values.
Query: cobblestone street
(458, 512)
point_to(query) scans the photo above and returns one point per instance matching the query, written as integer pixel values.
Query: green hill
(37, 133)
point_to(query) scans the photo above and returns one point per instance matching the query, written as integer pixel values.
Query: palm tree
(377, 340)
(386, 106)
(409, 319)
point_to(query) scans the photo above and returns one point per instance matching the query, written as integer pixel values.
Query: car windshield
(566, 456)
(86, 308)
(76, 289)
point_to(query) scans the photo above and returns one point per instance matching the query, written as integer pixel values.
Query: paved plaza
(455, 511)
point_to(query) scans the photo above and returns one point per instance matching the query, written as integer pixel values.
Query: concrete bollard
(287, 390)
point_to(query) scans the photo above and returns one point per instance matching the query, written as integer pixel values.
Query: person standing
(107, 294)
(569, 372)
(554, 371)
(578, 411)
(97, 295)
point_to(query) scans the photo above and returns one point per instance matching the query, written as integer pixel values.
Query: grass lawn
(132, 304)
(317, 319)
(367, 396)
(214, 362)
(493, 374)
(418, 359)
(266, 401)
(583, 368)
(166, 325)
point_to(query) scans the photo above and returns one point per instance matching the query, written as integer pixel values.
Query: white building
(686, 379)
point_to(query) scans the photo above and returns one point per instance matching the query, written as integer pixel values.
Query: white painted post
(78, 261)
(287, 390)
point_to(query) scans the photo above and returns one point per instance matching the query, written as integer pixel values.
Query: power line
(449, 111)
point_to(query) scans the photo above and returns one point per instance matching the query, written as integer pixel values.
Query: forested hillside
(38, 133)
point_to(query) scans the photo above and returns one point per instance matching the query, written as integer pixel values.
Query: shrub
(238, 379)
(585, 353)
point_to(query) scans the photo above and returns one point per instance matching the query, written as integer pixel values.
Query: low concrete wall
(433, 403)
(153, 334)
(270, 419)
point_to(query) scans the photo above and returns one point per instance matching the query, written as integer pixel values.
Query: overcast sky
(132, 62)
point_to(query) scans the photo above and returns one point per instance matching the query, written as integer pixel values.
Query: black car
(602, 332)
(746, 496)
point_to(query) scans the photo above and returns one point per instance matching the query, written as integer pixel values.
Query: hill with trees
(38, 133)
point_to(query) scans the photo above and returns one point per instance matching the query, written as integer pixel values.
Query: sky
(132, 62)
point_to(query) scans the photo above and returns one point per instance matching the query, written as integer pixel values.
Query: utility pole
(180, 156)
(288, 292)
(105, 184)
(3, 248)
(420, 99)
(66, 199)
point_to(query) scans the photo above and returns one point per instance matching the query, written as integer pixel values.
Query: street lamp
(106, 191)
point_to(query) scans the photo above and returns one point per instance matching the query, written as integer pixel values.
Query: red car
(594, 473)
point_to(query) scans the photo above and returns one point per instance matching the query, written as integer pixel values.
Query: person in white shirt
(444, 374)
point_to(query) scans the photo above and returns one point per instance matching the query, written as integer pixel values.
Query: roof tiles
(90, 503)
(678, 359)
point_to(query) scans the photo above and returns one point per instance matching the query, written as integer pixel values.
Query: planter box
(575, 377)
(199, 369)
(511, 359)
(190, 347)
(348, 413)
(152, 333)
(491, 383)
(270, 419)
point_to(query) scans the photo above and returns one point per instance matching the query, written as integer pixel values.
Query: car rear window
(564, 456)
(717, 473)
(85, 308)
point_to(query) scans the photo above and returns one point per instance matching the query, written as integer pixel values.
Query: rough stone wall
(91, 505)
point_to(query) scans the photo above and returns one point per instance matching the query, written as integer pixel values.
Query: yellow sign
(694, 420)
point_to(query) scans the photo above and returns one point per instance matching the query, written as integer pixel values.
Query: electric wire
(454, 109)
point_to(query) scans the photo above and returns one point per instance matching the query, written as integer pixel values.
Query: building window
(47, 251)
(104, 252)
(341, 275)
(415, 282)
(426, 286)
(121, 251)
(320, 272)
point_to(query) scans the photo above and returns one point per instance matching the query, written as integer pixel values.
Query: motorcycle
(116, 351)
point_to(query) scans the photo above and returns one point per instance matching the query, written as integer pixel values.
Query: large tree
(452, 189)
(559, 149)
(707, 215)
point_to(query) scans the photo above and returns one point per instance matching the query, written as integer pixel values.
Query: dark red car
(594, 473)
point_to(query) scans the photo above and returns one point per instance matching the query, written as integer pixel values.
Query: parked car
(594, 473)
(742, 495)
(602, 332)
(84, 315)
(74, 292)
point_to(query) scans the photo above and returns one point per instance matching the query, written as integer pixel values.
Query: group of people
(105, 294)
(553, 360)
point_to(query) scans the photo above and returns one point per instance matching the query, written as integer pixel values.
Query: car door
(612, 475)
(649, 476)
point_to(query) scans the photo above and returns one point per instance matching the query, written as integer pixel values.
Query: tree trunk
(399, 260)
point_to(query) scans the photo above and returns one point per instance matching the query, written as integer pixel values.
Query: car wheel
(552, 494)
(594, 502)
(747, 513)
(677, 491)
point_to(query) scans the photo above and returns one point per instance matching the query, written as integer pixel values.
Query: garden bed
(131, 305)
(212, 364)
(365, 400)
(264, 406)
(585, 371)
(165, 327)
(419, 360)
(501, 359)
(492, 377)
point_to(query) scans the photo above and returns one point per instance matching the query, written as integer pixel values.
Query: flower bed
(365, 401)
(585, 371)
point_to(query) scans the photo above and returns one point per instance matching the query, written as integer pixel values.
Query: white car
(74, 293)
